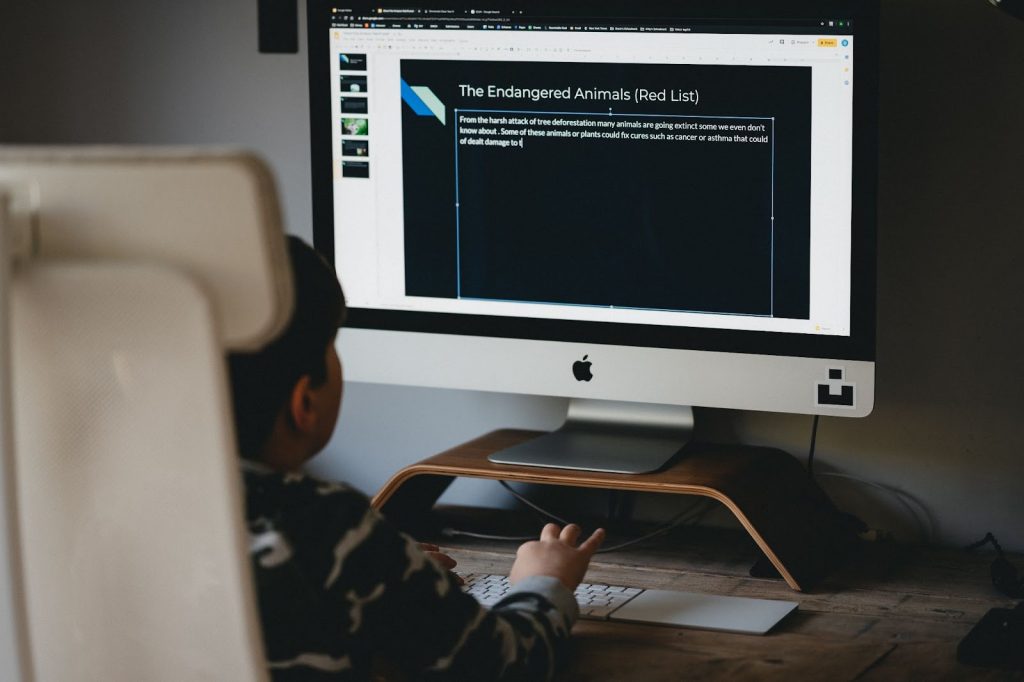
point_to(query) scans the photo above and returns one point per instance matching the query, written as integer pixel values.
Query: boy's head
(287, 395)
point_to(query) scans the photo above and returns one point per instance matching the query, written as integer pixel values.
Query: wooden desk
(897, 613)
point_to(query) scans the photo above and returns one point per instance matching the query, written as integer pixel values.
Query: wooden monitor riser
(769, 492)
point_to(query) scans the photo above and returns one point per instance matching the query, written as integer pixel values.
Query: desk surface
(898, 613)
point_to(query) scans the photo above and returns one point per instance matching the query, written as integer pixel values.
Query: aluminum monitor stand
(608, 436)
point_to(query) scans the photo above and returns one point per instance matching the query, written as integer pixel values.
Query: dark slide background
(670, 225)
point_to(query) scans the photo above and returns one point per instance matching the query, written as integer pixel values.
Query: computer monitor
(639, 206)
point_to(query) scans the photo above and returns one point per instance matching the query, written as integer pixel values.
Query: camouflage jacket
(340, 590)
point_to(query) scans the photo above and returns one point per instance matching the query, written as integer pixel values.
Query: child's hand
(440, 557)
(556, 555)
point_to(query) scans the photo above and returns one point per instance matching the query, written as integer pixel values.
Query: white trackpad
(705, 611)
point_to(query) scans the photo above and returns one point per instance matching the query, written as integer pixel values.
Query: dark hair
(262, 382)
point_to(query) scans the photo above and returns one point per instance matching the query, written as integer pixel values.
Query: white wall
(950, 370)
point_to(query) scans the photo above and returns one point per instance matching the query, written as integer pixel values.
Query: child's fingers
(591, 544)
(443, 559)
(550, 532)
(570, 534)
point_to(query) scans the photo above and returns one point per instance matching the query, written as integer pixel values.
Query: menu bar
(518, 20)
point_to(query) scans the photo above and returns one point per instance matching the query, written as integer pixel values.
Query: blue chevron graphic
(423, 101)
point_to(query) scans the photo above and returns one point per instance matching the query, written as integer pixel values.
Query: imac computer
(642, 207)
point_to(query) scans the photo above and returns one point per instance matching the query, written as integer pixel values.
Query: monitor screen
(693, 176)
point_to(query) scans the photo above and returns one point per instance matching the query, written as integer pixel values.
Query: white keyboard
(596, 601)
(661, 607)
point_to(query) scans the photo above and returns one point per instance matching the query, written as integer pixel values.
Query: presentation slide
(649, 186)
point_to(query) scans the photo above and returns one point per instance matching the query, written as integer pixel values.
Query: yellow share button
(827, 42)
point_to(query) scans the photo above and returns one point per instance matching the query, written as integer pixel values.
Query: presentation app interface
(635, 172)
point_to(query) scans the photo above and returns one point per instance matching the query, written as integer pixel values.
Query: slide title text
(576, 93)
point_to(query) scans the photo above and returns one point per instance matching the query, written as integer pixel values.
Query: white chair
(135, 272)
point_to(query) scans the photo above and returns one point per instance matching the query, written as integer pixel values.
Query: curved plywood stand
(768, 491)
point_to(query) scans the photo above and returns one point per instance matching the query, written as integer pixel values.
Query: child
(338, 588)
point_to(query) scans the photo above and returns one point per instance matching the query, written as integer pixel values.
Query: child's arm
(405, 606)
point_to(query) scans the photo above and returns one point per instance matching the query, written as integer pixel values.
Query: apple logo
(581, 369)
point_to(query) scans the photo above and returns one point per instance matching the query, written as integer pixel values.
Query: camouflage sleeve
(404, 605)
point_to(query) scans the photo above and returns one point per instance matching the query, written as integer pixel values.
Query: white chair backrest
(212, 214)
(133, 558)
